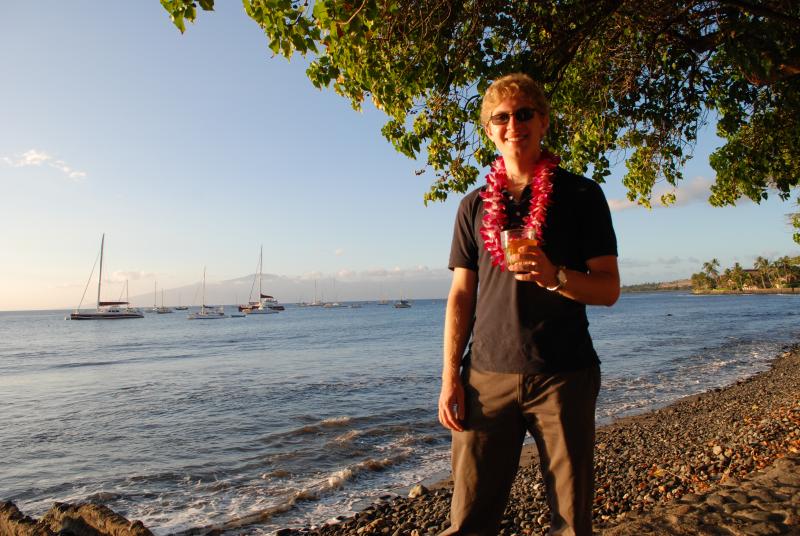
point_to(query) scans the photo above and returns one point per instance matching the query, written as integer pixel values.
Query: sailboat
(180, 307)
(106, 310)
(402, 303)
(335, 303)
(316, 302)
(266, 304)
(163, 310)
(206, 312)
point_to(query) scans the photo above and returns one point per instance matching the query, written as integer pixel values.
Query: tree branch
(762, 11)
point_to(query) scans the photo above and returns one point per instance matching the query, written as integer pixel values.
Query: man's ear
(487, 129)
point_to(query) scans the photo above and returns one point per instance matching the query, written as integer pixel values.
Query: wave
(683, 375)
(256, 505)
(332, 422)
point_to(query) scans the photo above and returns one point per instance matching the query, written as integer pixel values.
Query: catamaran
(266, 304)
(106, 310)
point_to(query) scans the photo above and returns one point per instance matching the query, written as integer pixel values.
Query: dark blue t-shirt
(519, 326)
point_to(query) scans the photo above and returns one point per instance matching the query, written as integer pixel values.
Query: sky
(194, 150)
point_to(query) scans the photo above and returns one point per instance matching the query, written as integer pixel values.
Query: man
(531, 365)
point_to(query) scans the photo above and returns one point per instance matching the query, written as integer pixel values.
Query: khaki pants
(558, 410)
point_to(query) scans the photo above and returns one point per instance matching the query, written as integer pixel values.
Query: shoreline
(645, 464)
(725, 292)
(690, 459)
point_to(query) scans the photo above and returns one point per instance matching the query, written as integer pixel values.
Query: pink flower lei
(494, 206)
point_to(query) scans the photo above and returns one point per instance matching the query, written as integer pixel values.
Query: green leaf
(626, 81)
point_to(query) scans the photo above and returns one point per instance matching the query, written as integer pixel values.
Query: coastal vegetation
(681, 284)
(628, 80)
(782, 273)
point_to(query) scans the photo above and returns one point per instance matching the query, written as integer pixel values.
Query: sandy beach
(723, 462)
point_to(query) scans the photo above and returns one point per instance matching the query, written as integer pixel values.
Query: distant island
(664, 286)
(781, 276)
(765, 277)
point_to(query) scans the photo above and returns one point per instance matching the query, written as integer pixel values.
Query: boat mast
(260, 268)
(100, 278)
(203, 306)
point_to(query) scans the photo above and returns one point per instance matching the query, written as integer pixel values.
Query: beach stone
(756, 515)
(417, 491)
(730, 508)
(15, 523)
(764, 529)
(83, 519)
(739, 497)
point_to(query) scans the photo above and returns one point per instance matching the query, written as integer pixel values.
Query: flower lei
(494, 206)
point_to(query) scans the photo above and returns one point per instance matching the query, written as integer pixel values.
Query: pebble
(715, 463)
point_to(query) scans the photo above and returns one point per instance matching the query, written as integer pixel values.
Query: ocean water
(254, 424)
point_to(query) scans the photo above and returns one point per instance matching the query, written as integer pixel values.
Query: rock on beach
(63, 519)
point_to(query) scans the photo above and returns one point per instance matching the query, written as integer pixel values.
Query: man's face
(517, 138)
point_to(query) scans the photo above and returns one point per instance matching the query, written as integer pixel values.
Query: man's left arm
(598, 286)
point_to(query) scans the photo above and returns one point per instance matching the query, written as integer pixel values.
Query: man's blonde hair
(513, 85)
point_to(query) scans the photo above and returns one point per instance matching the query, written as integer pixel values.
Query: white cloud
(122, 276)
(375, 273)
(396, 273)
(34, 157)
(617, 205)
(697, 189)
(627, 262)
(671, 261)
(338, 252)
(687, 192)
(634, 264)
(68, 171)
(310, 276)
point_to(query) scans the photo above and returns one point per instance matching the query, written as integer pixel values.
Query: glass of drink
(512, 240)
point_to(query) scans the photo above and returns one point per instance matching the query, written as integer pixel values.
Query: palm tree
(763, 266)
(701, 281)
(782, 268)
(710, 268)
(738, 276)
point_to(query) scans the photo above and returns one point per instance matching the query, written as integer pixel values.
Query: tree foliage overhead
(632, 80)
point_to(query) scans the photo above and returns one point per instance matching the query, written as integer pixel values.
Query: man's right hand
(451, 404)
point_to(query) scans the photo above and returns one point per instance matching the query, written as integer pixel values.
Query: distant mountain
(364, 286)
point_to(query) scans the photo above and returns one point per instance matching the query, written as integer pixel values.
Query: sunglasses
(521, 115)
